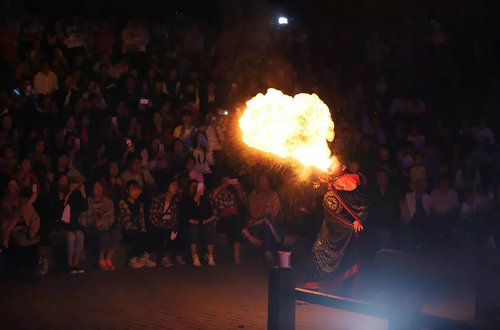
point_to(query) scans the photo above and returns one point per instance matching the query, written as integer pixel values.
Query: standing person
(98, 223)
(345, 210)
(196, 214)
(228, 199)
(163, 216)
(132, 222)
(69, 201)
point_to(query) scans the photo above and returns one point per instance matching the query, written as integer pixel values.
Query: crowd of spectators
(119, 130)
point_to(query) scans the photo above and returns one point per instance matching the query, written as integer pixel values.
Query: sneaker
(135, 263)
(146, 260)
(210, 260)
(196, 261)
(103, 265)
(268, 255)
(110, 264)
(80, 270)
(180, 260)
(73, 270)
(166, 262)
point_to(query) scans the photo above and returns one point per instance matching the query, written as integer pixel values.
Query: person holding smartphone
(69, 201)
(197, 218)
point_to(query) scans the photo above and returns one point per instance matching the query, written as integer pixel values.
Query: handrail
(366, 308)
(400, 315)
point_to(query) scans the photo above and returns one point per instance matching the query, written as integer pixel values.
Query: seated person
(263, 207)
(98, 223)
(132, 222)
(196, 215)
(228, 198)
(164, 219)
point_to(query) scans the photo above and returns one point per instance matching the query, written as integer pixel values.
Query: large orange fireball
(297, 127)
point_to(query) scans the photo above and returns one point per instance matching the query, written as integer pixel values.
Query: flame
(290, 127)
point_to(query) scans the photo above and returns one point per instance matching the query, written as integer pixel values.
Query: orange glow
(290, 127)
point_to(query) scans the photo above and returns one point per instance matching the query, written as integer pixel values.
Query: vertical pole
(281, 299)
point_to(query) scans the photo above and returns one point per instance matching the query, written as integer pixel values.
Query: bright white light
(282, 20)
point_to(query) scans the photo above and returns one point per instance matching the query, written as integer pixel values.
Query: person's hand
(99, 224)
(357, 226)
(193, 222)
(32, 233)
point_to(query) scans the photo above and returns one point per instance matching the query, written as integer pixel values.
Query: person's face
(63, 161)
(178, 146)
(85, 121)
(190, 165)
(263, 183)
(173, 188)
(186, 120)
(444, 185)
(130, 83)
(157, 118)
(114, 170)
(134, 192)
(157, 87)
(12, 188)
(45, 68)
(63, 183)
(6, 122)
(97, 190)
(384, 154)
(469, 162)
(40, 146)
(155, 144)
(26, 166)
(382, 179)
(8, 153)
(71, 123)
(136, 166)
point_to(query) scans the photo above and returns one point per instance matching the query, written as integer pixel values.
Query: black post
(281, 299)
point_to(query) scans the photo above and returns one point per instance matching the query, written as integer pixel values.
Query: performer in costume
(345, 209)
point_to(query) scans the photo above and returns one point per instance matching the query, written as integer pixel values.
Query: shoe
(180, 260)
(110, 264)
(166, 262)
(73, 270)
(135, 263)
(268, 255)
(103, 265)
(80, 270)
(146, 260)
(196, 261)
(210, 259)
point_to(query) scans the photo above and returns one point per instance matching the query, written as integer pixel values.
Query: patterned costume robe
(333, 249)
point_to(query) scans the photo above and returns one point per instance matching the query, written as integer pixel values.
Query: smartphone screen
(114, 121)
(128, 142)
(143, 101)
